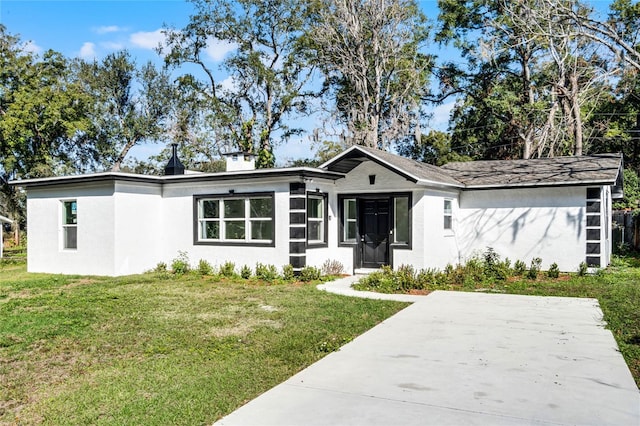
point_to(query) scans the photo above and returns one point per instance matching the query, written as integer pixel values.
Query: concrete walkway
(463, 358)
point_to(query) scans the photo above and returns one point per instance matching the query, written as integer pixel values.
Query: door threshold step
(365, 271)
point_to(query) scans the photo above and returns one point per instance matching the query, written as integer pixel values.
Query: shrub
(332, 267)
(554, 271)
(160, 267)
(245, 272)
(519, 268)
(405, 277)
(228, 269)
(180, 265)
(428, 278)
(287, 273)
(266, 272)
(532, 274)
(204, 267)
(583, 268)
(310, 273)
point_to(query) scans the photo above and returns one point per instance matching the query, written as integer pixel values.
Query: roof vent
(174, 166)
(237, 161)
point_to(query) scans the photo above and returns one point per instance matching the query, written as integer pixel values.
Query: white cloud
(228, 84)
(217, 49)
(148, 39)
(31, 47)
(112, 45)
(440, 118)
(107, 29)
(88, 51)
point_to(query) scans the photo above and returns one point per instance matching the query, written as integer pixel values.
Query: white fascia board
(5, 219)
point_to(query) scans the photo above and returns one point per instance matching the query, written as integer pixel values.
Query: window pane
(261, 230)
(447, 206)
(70, 237)
(350, 230)
(350, 209)
(210, 209)
(447, 222)
(234, 208)
(315, 231)
(234, 230)
(401, 226)
(261, 207)
(70, 213)
(210, 230)
(315, 207)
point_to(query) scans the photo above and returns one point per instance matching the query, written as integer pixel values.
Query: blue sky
(91, 29)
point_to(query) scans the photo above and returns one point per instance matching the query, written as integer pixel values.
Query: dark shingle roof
(601, 168)
(411, 169)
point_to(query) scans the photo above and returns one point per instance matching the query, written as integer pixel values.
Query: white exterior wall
(138, 227)
(178, 221)
(96, 248)
(522, 224)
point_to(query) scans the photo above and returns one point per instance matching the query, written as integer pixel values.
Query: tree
(371, 54)
(434, 148)
(267, 67)
(130, 106)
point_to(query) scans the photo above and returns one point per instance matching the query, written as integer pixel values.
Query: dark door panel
(375, 232)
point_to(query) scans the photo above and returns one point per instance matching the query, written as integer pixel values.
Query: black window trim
(223, 196)
(325, 200)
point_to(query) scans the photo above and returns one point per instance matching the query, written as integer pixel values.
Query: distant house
(364, 208)
(3, 220)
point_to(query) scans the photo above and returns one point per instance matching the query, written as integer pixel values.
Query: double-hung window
(316, 219)
(238, 219)
(70, 224)
(448, 215)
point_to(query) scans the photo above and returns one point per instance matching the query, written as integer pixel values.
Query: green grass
(156, 348)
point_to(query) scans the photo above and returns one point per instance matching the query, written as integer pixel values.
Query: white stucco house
(3, 220)
(363, 208)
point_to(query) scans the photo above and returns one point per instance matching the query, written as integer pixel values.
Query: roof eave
(540, 185)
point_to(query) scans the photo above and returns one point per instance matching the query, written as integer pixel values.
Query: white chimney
(237, 161)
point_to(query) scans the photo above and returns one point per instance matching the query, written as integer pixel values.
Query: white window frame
(67, 226)
(447, 213)
(222, 220)
(347, 220)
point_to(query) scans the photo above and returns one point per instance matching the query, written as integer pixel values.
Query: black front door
(374, 237)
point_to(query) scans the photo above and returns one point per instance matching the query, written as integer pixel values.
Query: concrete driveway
(464, 358)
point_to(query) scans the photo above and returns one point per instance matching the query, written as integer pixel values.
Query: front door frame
(356, 243)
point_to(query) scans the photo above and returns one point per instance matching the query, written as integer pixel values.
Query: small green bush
(287, 273)
(160, 267)
(554, 271)
(204, 267)
(228, 269)
(310, 273)
(583, 268)
(266, 272)
(405, 277)
(532, 274)
(245, 272)
(180, 265)
(519, 268)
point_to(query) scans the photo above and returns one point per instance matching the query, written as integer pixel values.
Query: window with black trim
(401, 229)
(235, 219)
(349, 220)
(70, 224)
(448, 215)
(316, 219)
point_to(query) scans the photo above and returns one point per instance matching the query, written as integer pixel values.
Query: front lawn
(157, 348)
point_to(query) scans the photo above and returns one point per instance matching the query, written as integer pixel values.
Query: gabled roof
(412, 170)
(5, 219)
(576, 170)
